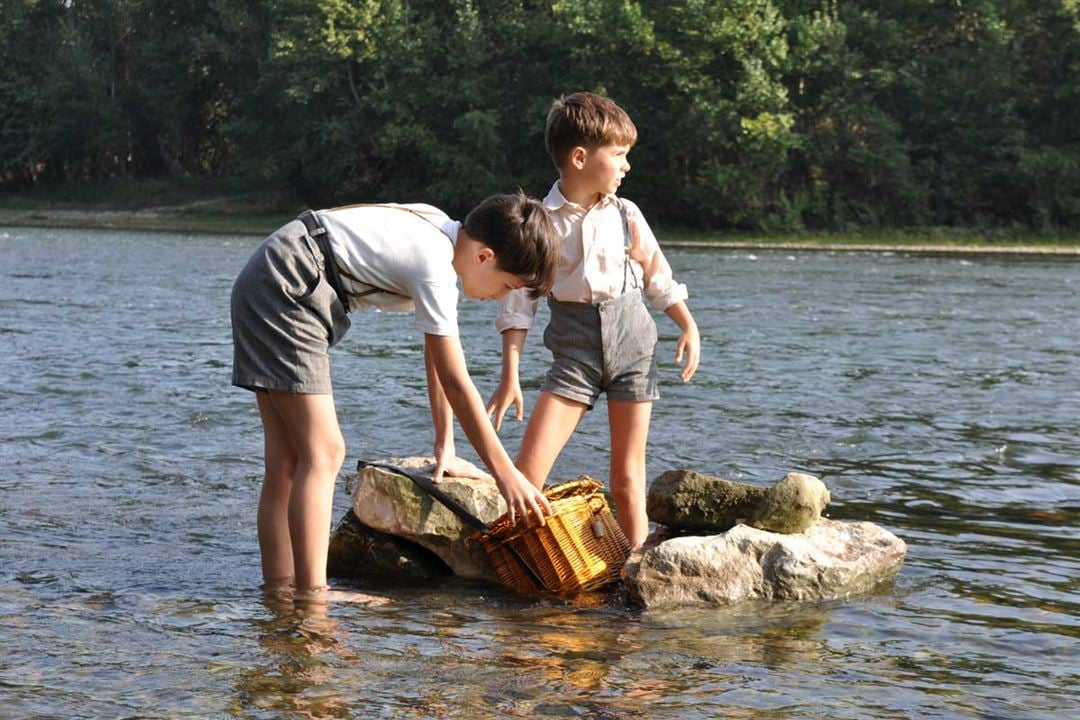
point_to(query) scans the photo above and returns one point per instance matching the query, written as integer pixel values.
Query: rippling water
(937, 396)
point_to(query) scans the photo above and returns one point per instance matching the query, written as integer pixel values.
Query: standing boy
(600, 334)
(290, 305)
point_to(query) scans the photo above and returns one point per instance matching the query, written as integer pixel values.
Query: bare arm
(689, 340)
(442, 418)
(448, 361)
(509, 391)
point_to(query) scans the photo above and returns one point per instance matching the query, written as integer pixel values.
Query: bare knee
(327, 455)
(280, 470)
(629, 496)
(629, 507)
(627, 490)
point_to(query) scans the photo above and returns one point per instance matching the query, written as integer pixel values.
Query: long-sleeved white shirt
(592, 260)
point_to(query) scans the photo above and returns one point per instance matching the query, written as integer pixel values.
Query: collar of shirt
(555, 201)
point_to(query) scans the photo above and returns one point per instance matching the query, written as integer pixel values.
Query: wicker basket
(580, 548)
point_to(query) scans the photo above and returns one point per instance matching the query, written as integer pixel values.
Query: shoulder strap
(392, 206)
(628, 270)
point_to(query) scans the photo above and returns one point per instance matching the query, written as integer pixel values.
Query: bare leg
(551, 424)
(273, 520)
(311, 424)
(629, 423)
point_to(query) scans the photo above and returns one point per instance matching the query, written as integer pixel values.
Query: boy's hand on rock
(445, 460)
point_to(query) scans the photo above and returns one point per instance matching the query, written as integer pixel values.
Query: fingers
(535, 503)
(692, 351)
(496, 410)
(692, 360)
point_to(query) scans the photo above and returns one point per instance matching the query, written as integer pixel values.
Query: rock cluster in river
(720, 542)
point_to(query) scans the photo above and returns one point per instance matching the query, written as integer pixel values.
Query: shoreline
(181, 220)
(145, 220)
(885, 246)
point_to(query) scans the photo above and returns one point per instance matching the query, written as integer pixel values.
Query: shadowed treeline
(753, 114)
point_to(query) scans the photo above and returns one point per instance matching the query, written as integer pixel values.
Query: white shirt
(592, 260)
(404, 253)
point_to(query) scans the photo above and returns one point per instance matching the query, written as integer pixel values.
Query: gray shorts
(606, 347)
(285, 316)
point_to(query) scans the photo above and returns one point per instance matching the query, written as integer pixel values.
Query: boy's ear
(577, 157)
(484, 254)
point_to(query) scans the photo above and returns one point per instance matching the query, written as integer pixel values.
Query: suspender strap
(317, 233)
(627, 269)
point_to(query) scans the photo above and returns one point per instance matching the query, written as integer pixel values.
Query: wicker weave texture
(580, 548)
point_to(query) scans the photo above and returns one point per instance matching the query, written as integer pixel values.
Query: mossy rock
(358, 551)
(690, 501)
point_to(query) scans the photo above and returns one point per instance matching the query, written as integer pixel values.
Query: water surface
(937, 396)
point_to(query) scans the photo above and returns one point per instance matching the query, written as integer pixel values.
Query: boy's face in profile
(481, 277)
(602, 168)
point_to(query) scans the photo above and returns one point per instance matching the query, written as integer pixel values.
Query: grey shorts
(603, 348)
(285, 316)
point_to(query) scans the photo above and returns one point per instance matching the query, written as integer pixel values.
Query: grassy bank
(199, 206)
(185, 206)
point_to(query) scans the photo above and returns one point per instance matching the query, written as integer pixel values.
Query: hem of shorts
(587, 400)
(632, 397)
(259, 384)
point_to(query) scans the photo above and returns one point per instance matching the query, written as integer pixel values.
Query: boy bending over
(290, 305)
(600, 334)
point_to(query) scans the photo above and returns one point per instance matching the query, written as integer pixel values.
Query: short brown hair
(517, 228)
(588, 120)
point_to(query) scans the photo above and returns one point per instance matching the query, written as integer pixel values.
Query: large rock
(393, 504)
(832, 559)
(694, 502)
(357, 551)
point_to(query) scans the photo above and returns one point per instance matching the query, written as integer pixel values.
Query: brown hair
(517, 228)
(588, 120)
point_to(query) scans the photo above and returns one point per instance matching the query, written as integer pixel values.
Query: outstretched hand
(690, 344)
(505, 395)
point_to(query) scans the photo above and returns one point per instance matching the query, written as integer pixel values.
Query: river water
(936, 396)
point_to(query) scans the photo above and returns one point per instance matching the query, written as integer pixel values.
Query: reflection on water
(936, 396)
(301, 645)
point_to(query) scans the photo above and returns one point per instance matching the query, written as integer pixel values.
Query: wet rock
(792, 505)
(831, 559)
(358, 551)
(691, 501)
(392, 504)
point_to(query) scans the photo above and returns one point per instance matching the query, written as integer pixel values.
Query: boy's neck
(577, 192)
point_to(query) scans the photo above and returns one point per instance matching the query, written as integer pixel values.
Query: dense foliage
(765, 114)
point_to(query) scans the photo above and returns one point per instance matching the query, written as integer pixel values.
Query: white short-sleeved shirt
(397, 258)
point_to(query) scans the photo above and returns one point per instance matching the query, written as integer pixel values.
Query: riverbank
(180, 210)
